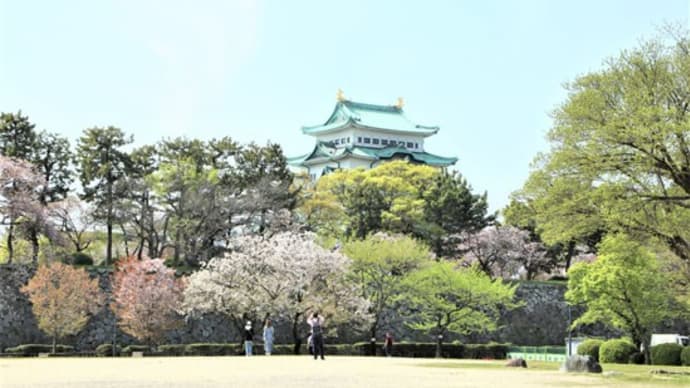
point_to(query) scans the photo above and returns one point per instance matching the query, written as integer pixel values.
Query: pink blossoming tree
(147, 298)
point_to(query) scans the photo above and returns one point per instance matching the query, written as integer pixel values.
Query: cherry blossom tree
(147, 298)
(62, 298)
(506, 251)
(286, 274)
(20, 208)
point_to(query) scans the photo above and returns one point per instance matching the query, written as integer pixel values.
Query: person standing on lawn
(268, 337)
(388, 344)
(316, 323)
(248, 339)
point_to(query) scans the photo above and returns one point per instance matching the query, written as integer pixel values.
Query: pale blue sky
(487, 72)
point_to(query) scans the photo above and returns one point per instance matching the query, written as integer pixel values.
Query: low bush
(127, 350)
(78, 258)
(685, 356)
(213, 349)
(403, 349)
(590, 347)
(171, 350)
(34, 349)
(616, 351)
(666, 354)
(428, 350)
(106, 350)
(636, 358)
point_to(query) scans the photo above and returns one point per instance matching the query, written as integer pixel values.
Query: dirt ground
(277, 371)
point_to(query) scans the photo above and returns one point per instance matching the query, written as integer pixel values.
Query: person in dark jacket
(388, 344)
(315, 321)
(248, 339)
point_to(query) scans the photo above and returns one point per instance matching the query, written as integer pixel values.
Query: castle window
(409, 144)
(375, 141)
(384, 141)
(348, 139)
(342, 140)
(416, 145)
(359, 139)
(337, 141)
(401, 143)
(367, 140)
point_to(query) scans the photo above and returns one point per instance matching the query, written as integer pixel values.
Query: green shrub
(685, 356)
(212, 349)
(616, 351)
(636, 358)
(666, 354)
(428, 350)
(403, 349)
(78, 258)
(127, 350)
(590, 347)
(34, 349)
(106, 350)
(171, 350)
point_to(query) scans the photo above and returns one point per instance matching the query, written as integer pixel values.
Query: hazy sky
(487, 72)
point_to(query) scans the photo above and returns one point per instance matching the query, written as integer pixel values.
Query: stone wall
(542, 320)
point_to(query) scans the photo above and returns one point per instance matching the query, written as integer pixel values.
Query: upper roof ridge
(368, 106)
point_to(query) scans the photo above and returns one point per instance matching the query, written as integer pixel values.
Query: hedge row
(35, 349)
(421, 350)
(685, 356)
(622, 351)
(666, 354)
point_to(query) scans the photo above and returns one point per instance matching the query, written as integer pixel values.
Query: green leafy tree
(623, 288)
(17, 136)
(379, 264)
(137, 212)
(385, 198)
(443, 299)
(52, 158)
(397, 197)
(264, 185)
(451, 210)
(102, 164)
(620, 150)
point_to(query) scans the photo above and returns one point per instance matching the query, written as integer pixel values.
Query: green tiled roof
(386, 117)
(420, 157)
(328, 152)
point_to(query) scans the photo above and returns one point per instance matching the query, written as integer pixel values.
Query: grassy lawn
(291, 371)
(614, 374)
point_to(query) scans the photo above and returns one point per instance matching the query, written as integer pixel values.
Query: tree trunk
(295, 334)
(109, 244)
(125, 237)
(569, 255)
(439, 344)
(10, 237)
(35, 246)
(176, 254)
(647, 352)
(372, 339)
(54, 343)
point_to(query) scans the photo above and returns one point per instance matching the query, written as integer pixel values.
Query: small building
(365, 135)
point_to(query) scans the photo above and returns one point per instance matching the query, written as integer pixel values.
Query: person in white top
(268, 337)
